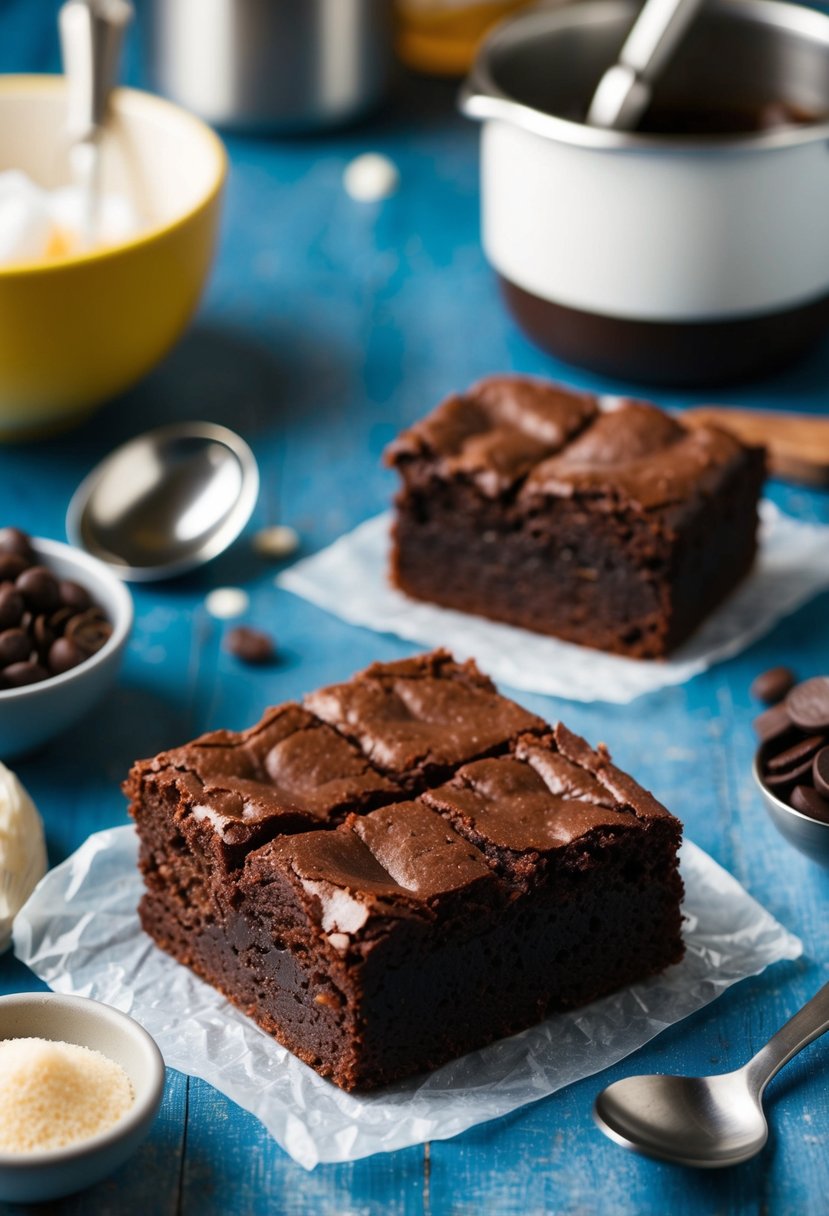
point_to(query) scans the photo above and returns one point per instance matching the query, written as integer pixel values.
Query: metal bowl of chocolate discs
(64, 623)
(791, 766)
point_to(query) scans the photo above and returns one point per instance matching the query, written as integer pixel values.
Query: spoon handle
(808, 1024)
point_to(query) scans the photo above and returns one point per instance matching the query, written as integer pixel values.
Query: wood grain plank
(232, 1165)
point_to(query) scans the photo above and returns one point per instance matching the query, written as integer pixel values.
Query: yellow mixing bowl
(77, 330)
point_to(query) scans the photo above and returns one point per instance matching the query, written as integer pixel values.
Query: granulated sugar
(54, 1094)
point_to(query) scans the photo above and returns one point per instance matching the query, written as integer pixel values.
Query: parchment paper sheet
(349, 579)
(80, 933)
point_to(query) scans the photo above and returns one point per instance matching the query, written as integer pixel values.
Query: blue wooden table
(328, 324)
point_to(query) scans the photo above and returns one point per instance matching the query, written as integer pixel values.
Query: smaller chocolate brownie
(613, 525)
(418, 719)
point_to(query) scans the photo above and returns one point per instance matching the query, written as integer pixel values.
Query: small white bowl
(31, 715)
(51, 1173)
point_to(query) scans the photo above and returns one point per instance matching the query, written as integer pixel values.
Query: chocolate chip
(89, 630)
(60, 619)
(11, 566)
(250, 645)
(73, 595)
(39, 589)
(13, 540)
(820, 772)
(19, 674)
(808, 704)
(809, 802)
(771, 686)
(48, 625)
(11, 606)
(804, 749)
(64, 654)
(773, 723)
(42, 635)
(15, 646)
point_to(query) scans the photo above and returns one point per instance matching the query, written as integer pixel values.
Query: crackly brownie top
(290, 764)
(636, 452)
(550, 792)
(516, 433)
(498, 430)
(402, 860)
(415, 718)
(488, 831)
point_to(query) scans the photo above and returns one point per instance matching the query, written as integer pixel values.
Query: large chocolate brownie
(405, 869)
(618, 528)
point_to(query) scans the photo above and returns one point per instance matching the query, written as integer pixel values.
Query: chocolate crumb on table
(252, 646)
(619, 529)
(404, 869)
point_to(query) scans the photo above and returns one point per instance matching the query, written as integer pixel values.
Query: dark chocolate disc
(771, 686)
(808, 704)
(781, 783)
(820, 772)
(772, 723)
(809, 802)
(804, 749)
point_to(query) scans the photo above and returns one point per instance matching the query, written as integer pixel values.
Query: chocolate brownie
(619, 528)
(427, 870)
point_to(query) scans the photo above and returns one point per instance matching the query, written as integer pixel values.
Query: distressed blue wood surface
(327, 325)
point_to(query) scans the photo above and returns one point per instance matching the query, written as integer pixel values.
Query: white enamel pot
(684, 259)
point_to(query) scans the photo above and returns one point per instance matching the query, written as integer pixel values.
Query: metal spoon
(91, 35)
(706, 1121)
(624, 91)
(165, 502)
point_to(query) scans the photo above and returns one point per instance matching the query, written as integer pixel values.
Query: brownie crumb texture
(613, 526)
(405, 868)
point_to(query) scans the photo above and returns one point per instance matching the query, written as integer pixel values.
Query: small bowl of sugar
(80, 1087)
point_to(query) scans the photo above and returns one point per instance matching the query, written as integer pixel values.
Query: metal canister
(270, 64)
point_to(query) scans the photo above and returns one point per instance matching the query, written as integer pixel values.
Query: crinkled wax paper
(349, 578)
(80, 933)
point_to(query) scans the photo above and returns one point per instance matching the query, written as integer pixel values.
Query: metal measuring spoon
(706, 1121)
(624, 91)
(166, 501)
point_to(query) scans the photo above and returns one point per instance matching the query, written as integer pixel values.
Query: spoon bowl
(706, 1122)
(166, 501)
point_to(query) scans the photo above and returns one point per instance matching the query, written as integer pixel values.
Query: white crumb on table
(371, 177)
(226, 602)
(276, 542)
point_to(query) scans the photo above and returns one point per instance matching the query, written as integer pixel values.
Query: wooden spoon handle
(797, 444)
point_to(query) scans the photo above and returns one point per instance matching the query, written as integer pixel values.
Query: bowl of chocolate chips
(64, 623)
(791, 766)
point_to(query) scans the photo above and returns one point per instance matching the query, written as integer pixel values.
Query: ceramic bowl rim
(122, 624)
(22, 83)
(143, 1108)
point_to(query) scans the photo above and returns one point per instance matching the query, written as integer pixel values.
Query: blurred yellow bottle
(441, 36)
